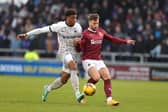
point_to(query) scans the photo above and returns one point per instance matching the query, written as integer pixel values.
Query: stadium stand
(146, 21)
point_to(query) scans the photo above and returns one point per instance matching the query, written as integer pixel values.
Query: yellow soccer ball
(89, 89)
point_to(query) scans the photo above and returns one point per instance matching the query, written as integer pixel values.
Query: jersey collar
(91, 30)
(69, 25)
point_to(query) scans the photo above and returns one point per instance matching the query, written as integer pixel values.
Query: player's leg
(72, 66)
(104, 72)
(57, 83)
(90, 68)
(94, 75)
(74, 78)
(65, 74)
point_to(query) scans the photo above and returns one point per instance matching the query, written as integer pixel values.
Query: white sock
(109, 99)
(75, 81)
(55, 84)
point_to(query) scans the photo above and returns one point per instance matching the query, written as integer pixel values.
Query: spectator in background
(51, 45)
(137, 18)
(14, 42)
(4, 42)
(156, 51)
(138, 46)
(165, 46)
(28, 25)
(150, 43)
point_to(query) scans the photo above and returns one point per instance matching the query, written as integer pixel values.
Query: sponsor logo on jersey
(96, 41)
(69, 30)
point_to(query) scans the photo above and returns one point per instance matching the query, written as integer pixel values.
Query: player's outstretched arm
(118, 40)
(114, 39)
(34, 32)
(22, 36)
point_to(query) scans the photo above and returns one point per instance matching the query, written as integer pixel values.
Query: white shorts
(66, 58)
(98, 64)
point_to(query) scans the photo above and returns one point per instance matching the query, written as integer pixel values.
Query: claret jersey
(91, 43)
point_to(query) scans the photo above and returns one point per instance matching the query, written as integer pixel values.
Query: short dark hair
(70, 12)
(93, 16)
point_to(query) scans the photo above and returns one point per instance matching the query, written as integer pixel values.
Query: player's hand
(77, 41)
(131, 42)
(22, 36)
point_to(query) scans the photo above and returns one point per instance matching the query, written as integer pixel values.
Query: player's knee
(72, 65)
(106, 76)
(96, 78)
(64, 81)
(64, 77)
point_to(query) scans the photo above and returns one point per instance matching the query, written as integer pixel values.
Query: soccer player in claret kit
(68, 33)
(90, 45)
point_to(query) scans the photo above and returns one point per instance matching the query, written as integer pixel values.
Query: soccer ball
(89, 89)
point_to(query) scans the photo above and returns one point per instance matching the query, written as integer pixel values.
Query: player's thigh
(68, 59)
(104, 73)
(72, 65)
(93, 73)
(90, 67)
(64, 77)
(65, 68)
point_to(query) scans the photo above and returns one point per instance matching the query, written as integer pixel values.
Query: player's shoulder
(77, 24)
(57, 26)
(101, 29)
(85, 31)
(60, 23)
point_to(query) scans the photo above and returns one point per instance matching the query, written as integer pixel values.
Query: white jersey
(65, 34)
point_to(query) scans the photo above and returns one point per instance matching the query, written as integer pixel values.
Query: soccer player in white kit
(68, 33)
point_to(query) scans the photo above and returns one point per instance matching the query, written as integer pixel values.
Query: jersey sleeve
(38, 31)
(55, 27)
(50, 28)
(113, 38)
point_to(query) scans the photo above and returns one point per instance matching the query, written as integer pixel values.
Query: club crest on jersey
(100, 34)
(96, 41)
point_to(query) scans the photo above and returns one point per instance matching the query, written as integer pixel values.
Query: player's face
(70, 20)
(94, 24)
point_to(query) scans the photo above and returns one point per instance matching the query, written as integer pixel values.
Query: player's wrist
(30, 37)
(76, 41)
(127, 41)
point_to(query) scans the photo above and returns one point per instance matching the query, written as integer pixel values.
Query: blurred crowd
(146, 21)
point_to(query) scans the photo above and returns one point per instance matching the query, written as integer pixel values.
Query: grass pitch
(23, 94)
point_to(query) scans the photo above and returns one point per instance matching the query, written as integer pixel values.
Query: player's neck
(92, 30)
(68, 24)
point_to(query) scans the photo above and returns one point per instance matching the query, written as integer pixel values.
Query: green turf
(23, 94)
